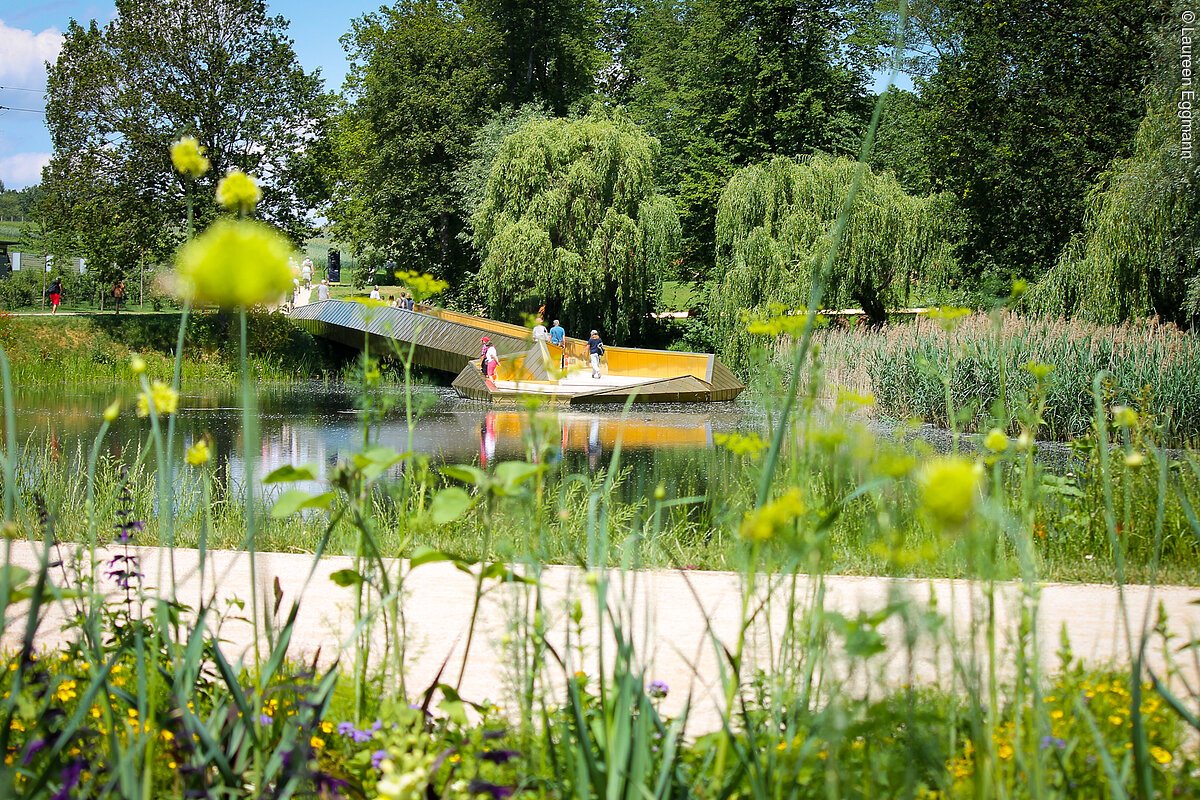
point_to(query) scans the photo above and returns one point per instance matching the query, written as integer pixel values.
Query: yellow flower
(188, 157)
(1115, 719)
(317, 742)
(750, 444)
(326, 727)
(65, 691)
(422, 285)
(1124, 416)
(949, 489)
(112, 411)
(1005, 751)
(764, 523)
(1135, 459)
(996, 441)
(166, 735)
(137, 364)
(161, 397)
(235, 263)
(237, 191)
(198, 454)
(1160, 755)
(948, 317)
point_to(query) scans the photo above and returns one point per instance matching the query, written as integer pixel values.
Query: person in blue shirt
(596, 352)
(557, 334)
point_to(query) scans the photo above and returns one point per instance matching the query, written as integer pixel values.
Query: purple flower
(32, 749)
(658, 689)
(348, 730)
(328, 786)
(378, 757)
(265, 719)
(495, 791)
(1053, 741)
(499, 756)
(70, 779)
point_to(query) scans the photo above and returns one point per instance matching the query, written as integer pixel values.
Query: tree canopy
(774, 230)
(220, 70)
(420, 84)
(571, 219)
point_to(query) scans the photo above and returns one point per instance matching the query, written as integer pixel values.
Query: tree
(571, 219)
(774, 226)
(546, 50)
(420, 84)
(119, 95)
(1139, 252)
(725, 83)
(1023, 114)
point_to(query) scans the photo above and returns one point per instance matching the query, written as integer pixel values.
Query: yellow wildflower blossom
(235, 263)
(750, 444)
(198, 454)
(237, 191)
(996, 441)
(188, 157)
(1124, 416)
(66, 691)
(112, 411)
(137, 364)
(161, 397)
(949, 489)
(1160, 755)
(317, 742)
(764, 523)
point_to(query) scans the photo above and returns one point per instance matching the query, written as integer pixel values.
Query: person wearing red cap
(484, 342)
(492, 358)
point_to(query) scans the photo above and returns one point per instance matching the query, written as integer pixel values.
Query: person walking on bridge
(595, 351)
(557, 334)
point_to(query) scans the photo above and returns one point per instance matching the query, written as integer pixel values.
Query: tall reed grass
(1153, 368)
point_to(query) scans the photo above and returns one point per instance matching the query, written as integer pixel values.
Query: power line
(26, 110)
(22, 89)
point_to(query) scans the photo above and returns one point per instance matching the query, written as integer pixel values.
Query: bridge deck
(450, 342)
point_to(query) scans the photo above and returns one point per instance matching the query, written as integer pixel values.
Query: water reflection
(318, 424)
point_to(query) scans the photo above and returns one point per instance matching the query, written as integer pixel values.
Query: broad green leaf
(511, 474)
(377, 460)
(293, 500)
(288, 474)
(346, 577)
(449, 504)
(466, 474)
(427, 555)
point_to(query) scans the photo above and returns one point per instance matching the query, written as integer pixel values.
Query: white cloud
(22, 169)
(26, 54)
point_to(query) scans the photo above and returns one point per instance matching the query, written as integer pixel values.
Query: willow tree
(1138, 255)
(773, 233)
(570, 219)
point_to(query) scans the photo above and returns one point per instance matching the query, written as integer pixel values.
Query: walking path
(674, 616)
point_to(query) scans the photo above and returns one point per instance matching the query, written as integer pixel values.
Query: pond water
(319, 424)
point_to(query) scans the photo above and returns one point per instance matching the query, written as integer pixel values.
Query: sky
(31, 34)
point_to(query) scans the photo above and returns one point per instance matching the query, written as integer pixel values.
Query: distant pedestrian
(485, 343)
(539, 331)
(375, 293)
(557, 334)
(118, 295)
(596, 351)
(322, 291)
(392, 301)
(493, 361)
(55, 295)
(306, 272)
(411, 303)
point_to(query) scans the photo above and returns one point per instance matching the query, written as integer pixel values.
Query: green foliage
(773, 232)
(571, 219)
(725, 84)
(1139, 254)
(1024, 109)
(421, 81)
(120, 94)
(545, 50)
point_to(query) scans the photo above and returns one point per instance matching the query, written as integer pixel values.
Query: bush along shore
(96, 349)
(964, 376)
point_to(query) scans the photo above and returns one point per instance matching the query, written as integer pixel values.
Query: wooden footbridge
(450, 342)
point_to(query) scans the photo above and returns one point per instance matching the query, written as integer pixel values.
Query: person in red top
(55, 295)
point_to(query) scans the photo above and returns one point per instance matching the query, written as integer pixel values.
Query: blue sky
(31, 33)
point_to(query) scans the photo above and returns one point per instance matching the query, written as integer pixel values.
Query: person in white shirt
(306, 270)
(322, 291)
(375, 293)
(540, 334)
(493, 361)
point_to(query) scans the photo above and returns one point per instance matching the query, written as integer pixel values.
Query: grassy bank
(96, 349)
(968, 375)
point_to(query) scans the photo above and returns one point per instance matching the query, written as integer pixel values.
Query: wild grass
(1153, 368)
